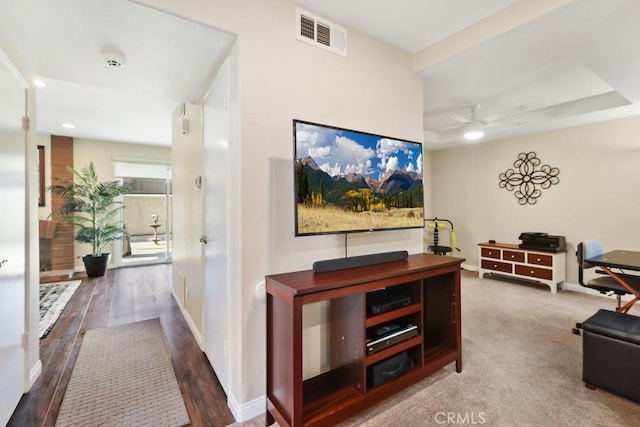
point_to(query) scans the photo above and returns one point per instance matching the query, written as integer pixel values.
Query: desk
(623, 260)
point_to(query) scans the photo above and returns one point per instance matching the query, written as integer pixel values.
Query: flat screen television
(349, 181)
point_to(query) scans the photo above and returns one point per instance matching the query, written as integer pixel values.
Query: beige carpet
(123, 377)
(522, 366)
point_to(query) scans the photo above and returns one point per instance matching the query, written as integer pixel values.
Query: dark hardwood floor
(122, 296)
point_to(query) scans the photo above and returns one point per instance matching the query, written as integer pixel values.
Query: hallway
(122, 296)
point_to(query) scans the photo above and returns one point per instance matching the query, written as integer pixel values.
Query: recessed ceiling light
(68, 125)
(39, 83)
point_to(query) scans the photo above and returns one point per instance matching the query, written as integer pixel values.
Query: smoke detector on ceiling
(113, 57)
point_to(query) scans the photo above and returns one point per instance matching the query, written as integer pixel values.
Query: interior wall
(102, 154)
(187, 215)
(374, 89)
(597, 196)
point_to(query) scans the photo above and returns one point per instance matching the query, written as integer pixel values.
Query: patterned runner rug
(123, 377)
(53, 299)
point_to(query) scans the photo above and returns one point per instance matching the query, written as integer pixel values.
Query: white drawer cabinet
(512, 261)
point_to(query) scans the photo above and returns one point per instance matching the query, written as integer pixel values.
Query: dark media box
(389, 335)
(386, 300)
(389, 369)
(542, 242)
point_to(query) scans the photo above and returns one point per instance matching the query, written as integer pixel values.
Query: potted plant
(92, 207)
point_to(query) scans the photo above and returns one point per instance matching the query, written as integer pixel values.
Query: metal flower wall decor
(528, 179)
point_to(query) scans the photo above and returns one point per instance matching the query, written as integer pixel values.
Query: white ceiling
(411, 25)
(577, 64)
(168, 61)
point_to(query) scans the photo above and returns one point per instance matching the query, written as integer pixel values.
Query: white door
(12, 240)
(215, 253)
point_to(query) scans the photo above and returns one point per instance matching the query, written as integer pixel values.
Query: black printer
(542, 242)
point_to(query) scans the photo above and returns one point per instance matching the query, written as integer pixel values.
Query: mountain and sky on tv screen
(353, 181)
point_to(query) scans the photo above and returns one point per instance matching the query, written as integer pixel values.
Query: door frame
(28, 255)
(117, 248)
(215, 253)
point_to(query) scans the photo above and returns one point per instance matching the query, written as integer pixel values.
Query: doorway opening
(147, 231)
(146, 214)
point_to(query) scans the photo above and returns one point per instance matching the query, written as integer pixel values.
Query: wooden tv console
(510, 260)
(433, 284)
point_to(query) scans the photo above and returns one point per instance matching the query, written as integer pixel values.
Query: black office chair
(604, 283)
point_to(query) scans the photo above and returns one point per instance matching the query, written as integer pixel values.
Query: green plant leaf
(91, 206)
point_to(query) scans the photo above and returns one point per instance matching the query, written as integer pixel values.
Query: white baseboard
(574, 287)
(192, 326)
(248, 410)
(34, 373)
(577, 288)
(241, 412)
(469, 267)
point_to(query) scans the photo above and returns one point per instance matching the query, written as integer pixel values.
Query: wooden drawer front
(538, 259)
(490, 253)
(497, 266)
(538, 273)
(513, 256)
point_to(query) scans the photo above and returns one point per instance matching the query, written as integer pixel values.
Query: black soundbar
(358, 261)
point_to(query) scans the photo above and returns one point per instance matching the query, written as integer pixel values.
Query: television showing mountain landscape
(349, 181)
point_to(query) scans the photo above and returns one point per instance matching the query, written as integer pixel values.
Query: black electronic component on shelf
(542, 242)
(384, 300)
(394, 335)
(389, 369)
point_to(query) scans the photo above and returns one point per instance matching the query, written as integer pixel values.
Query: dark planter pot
(95, 266)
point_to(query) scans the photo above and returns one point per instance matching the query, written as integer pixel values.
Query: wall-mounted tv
(350, 181)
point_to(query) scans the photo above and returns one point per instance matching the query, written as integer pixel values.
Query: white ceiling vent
(321, 33)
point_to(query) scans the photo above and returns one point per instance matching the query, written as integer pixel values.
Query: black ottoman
(611, 353)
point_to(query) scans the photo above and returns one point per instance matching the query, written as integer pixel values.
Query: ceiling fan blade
(448, 128)
(459, 117)
(509, 112)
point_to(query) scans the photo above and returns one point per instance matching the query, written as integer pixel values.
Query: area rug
(53, 299)
(123, 377)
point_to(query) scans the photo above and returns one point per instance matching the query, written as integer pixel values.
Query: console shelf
(432, 283)
(394, 314)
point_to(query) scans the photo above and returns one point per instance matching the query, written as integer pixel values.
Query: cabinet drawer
(497, 266)
(490, 253)
(538, 259)
(538, 273)
(513, 256)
